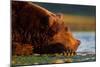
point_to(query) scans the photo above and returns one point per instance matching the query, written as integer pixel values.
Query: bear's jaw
(54, 48)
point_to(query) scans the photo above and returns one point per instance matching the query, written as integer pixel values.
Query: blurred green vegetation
(50, 59)
(80, 23)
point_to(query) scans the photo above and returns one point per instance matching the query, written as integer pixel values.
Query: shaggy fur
(32, 24)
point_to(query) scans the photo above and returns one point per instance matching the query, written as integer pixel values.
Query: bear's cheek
(71, 44)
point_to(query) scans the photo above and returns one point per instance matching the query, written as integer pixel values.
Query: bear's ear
(67, 28)
(60, 16)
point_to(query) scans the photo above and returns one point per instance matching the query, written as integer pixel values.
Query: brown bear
(32, 24)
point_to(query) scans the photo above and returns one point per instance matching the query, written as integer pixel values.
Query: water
(87, 49)
(87, 41)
